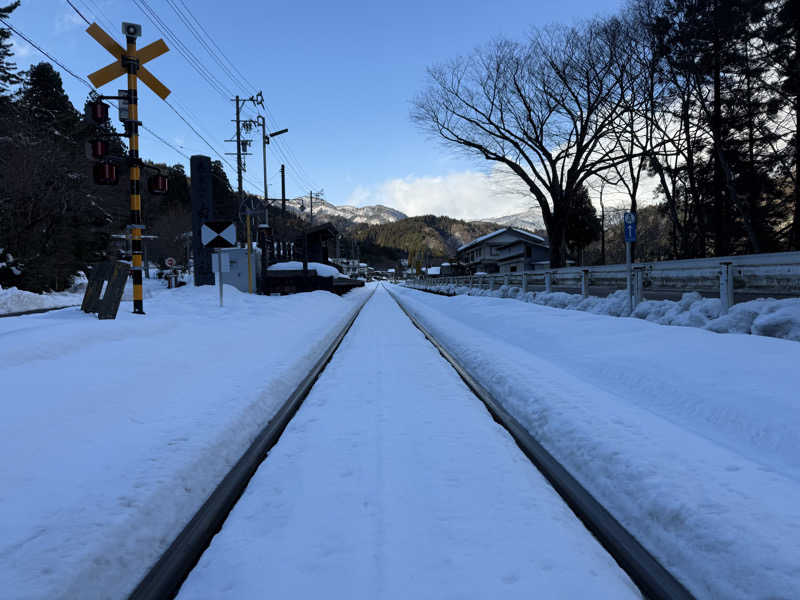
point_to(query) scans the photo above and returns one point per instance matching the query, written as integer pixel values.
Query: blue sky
(339, 75)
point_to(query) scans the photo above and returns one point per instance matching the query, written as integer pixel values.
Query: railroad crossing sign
(630, 227)
(129, 61)
(119, 66)
(218, 234)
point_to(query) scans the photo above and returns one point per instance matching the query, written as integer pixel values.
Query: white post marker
(219, 270)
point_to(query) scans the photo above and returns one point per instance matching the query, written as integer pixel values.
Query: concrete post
(638, 286)
(548, 281)
(585, 283)
(725, 287)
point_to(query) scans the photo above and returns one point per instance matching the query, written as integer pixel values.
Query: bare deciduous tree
(542, 109)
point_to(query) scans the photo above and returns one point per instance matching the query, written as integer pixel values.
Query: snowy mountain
(325, 211)
(530, 219)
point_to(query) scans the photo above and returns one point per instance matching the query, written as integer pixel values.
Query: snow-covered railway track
(165, 577)
(399, 486)
(652, 578)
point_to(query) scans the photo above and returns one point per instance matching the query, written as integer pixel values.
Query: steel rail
(654, 581)
(166, 576)
(35, 311)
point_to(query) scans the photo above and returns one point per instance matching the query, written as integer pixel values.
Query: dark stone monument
(202, 211)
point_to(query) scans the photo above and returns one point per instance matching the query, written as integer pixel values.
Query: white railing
(729, 277)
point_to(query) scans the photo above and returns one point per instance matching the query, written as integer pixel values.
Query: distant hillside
(344, 218)
(530, 219)
(438, 236)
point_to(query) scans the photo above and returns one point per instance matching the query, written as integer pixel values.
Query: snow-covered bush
(764, 316)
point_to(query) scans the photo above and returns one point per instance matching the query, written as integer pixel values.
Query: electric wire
(167, 32)
(92, 88)
(286, 153)
(79, 12)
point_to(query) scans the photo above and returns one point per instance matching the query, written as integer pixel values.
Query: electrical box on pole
(130, 61)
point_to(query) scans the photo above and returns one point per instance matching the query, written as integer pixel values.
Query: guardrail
(730, 278)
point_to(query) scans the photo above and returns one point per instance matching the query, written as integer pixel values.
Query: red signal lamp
(98, 111)
(105, 173)
(99, 148)
(158, 184)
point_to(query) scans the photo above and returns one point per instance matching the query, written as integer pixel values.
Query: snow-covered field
(114, 432)
(393, 481)
(690, 438)
(765, 316)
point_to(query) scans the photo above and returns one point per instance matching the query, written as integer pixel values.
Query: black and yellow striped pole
(130, 61)
(132, 126)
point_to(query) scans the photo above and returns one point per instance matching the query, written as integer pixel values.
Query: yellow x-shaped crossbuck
(115, 69)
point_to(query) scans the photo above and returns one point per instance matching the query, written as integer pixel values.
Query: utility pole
(305, 242)
(283, 191)
(258, 99)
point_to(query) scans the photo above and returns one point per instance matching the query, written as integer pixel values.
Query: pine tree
(782, 36)
(8, 75)
(708, 47)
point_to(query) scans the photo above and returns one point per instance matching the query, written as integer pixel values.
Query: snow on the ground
(689, 438)
(393, 481)
(322, 270)
(764, 316)
(114, 432)
(15, 300)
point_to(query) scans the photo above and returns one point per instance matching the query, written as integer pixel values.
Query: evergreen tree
(709, 48)
(8, 75)
(782, 35)
(583, 224)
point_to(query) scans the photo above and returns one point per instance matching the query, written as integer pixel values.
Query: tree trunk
(720, 229)
(794, 242)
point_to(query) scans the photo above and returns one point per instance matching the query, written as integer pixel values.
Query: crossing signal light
(98, 148)
(105, 173)
(157, 184)
(98, 111)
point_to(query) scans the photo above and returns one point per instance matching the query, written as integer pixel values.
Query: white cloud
(464, 195)
(474, 195)
(68, 21)
(20, 48)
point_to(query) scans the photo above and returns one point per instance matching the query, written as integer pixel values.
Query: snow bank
(765, 316)
(117, 431)
(15, 300)
(322, 270)
(688, 438)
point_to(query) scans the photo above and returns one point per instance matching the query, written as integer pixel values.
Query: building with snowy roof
(506, 250)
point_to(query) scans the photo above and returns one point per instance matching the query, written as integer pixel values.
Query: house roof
(526, 234)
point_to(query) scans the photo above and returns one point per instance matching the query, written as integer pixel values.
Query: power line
(55, 60)
(192, 59)
(283, 148)
(183, 50)
(79, 12)
(92, 88)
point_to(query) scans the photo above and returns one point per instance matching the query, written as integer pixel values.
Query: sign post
(130, 61)
(219, 234)
(629, 220)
